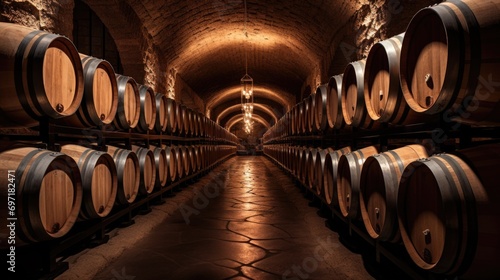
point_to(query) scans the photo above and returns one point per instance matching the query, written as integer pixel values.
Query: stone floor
(246, 220)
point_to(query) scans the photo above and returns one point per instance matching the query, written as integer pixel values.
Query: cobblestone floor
(248, 221)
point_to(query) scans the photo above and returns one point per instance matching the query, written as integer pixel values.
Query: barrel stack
(107, 143)
(402, 144)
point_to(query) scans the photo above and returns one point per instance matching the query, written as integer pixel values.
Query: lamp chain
(246, 35)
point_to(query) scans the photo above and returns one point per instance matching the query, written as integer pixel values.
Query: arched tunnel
(320, 183)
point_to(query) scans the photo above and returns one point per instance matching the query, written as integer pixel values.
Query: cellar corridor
(247, 221)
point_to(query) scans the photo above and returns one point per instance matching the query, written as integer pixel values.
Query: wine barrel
(448, 213)
(304, 166)
(201, 157)
(171, 163)
(334, 103)
(195, 125)
(40, 75)
(179, 116)
(147, 117)
(456, 65)
(188, 122)
(100, 96)
(170, 111)
(161, 113)
(320, 114)
(128, 106)
(48, 191)
(295, 160)
(301, 159)
(128, 173)
(202, 123)
(352, 99)
(311, 111)
(148, 169)
(378, 187)
(330, 175)
(301, 117)
(99, 180)
(348, 177)
(180, 162)
(310, 168)
(319, 169)
(197, 156)
(190, 161)
(161, 166)
(298, 157)
(204, 156)
(383, 96)
(293, 120)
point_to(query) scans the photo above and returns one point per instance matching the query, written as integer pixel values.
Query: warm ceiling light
(246, 85)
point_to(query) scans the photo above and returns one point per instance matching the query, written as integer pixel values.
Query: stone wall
(185, 95)
(138, 45)
(373, 21)
(55, 16)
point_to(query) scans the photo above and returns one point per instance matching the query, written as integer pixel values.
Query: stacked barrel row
(415, 77)
(57, 189)
(44, 76)
(443, 207)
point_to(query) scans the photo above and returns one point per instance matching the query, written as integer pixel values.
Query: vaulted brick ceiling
(206, 43)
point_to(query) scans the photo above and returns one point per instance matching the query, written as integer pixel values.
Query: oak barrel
(310, 168)
(293, 120)
(99, 180)
(47, 188)
(334, 103)
(319, 169)
(147, 117)
(320, 114)
(187, 160)
(310, 111)
(161, 166)
(456, 65)
(448, 213)
(383, 96)
(180, 115)
(352, 99)
(201, 157)
(330, 175)
(301, 117)
(171, 163)
(348, 180)
(195, 122)
(295, 160)
(170, 111)
(148, 169)
(41, 75)
(161, 113)
(128, 172)
(201, 124)
(188, 121)
(129, 105)
(180, 161)
(379, 185)
(303, 165)
(100, 96)
(197, 157)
